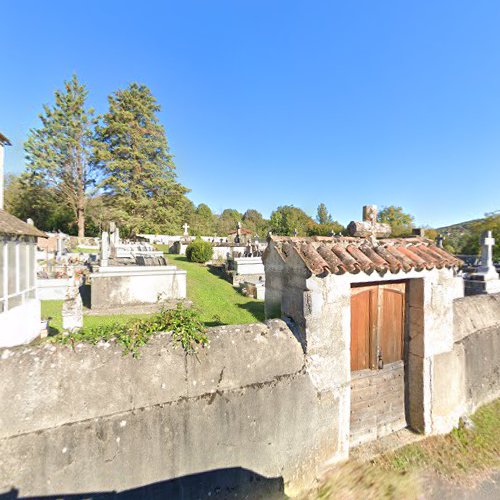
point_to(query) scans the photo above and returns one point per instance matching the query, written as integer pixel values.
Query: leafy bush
(184, 325)
(199, 251)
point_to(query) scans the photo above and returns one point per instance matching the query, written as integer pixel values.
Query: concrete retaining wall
(251, 408)
(469, 375)
(94, 420)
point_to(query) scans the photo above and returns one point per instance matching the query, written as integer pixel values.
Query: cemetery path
(217, 300)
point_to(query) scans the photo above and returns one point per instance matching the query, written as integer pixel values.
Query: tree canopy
(137, 170)
(287, 219)
(401, 223)
(58, 152)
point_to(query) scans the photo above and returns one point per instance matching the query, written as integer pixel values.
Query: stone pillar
(72, 311)
(104, 249)
(60, 246)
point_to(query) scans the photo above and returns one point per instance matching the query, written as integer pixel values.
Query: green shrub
(184, 325)
(199, 251)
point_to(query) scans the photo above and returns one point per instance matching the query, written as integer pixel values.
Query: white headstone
(104, 248)
(486, 267)
(72, 311)
(59, 247)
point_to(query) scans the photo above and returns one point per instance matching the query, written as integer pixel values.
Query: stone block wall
(469, 375)
(94, 420)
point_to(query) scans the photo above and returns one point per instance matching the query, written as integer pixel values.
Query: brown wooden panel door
(362, 303)
(391, 322)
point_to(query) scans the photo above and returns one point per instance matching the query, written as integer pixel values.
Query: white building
(19, 306)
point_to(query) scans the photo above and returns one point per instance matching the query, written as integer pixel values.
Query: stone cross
(486, 266)
(369, 227)
(104, 248)
(185, 227)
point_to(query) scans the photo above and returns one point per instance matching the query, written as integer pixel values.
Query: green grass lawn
(53, 309)
(218, 302)
(216, 299)
(85, 250)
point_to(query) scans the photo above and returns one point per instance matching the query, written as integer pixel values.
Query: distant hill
(458, 235)
(459, 229)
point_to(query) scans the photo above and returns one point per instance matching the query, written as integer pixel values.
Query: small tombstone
(72, 310)
(439, 240)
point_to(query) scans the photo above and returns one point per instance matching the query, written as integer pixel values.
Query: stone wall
(94, 420)
(469, 375)
(263, 405)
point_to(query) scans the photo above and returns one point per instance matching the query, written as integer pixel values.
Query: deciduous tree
(287, 219)
(401, 223)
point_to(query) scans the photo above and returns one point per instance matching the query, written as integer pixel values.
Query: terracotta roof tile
(339, 254)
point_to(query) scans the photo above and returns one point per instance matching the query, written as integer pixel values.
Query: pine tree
(58, 152)
(138, 172)
(323, 216)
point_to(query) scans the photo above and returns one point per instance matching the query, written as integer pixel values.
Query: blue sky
(269, 102)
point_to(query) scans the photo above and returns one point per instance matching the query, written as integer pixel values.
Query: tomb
(19, 304)
(133, 274)
(485, 279)
(372, 314)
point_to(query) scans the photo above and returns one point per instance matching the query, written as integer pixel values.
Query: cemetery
(359, 314)
(216, 340)
(132, 275)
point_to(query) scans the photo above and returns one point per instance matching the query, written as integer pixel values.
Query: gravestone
(104, 249)
(486, 278)
(72, 311)
(486, 267)
(185, 227)
(59, 247)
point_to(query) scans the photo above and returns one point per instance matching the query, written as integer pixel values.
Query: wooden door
(363, 313)
(391, 322)
(377, 325)
(377, 382)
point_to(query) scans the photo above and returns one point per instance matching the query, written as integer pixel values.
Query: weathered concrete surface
(95, 420)
(132, 285)
(482, 367)
(475, 313)
(469, 375)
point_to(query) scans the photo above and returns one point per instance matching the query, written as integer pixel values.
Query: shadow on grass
(256, 309)
(217, 271)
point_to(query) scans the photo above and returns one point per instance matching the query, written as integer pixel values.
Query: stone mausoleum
(372, 314)
(19, 305)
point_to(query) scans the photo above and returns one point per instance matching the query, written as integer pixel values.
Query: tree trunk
(81, 222)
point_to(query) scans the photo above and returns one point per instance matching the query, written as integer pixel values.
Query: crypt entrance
(378, 333)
